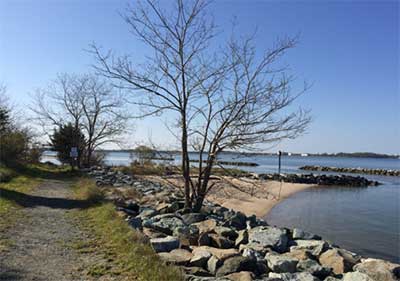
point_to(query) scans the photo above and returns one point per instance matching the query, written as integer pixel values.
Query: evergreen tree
(63, 139)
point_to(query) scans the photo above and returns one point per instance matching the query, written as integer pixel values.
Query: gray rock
(300, 276)
(250, 253)
(270, 237)
(147, 213)
(176, 257)
(379, 270)
(280, 263)
(135, 223)
(357, 276)
(237, 220)
(300, 234)
(236, 264)
(164, 223)
(165, 244)
(193, 217)
(226, 232)
(316, 247)
(200, 259)
(212, 264)
(314, 268)
(220, 241)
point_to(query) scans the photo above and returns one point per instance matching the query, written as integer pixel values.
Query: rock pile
(221, 244)
(381, 172)
(340, 180)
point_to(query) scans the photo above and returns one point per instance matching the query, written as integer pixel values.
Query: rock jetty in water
(222, 244)
(339, 180)
(380, 172)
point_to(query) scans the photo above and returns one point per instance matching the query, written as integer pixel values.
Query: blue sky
(348, 49)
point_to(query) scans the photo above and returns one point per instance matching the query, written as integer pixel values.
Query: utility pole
(279, 162)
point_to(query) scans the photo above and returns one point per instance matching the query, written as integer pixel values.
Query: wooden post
(279, 162)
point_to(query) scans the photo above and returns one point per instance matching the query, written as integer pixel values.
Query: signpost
(74, 154)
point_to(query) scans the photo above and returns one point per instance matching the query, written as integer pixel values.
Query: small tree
(144, 153)
(87, 102)
(63, 139)
(227, 99)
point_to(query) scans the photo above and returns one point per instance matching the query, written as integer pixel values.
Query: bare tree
(87, 102)
(232, 99)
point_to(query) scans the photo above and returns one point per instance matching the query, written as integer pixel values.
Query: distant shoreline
(286, 154)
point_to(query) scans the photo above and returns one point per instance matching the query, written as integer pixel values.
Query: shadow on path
(31, 201)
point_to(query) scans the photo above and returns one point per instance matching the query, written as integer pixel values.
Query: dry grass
(129, 252)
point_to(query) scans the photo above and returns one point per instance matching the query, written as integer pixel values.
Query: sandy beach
(250, 196)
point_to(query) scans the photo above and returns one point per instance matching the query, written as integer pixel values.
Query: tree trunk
(185, 164)
(202, 186)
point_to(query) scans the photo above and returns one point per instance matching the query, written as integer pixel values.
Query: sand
(249, 196)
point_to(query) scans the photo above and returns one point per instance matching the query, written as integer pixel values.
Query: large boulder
(165, 244)
(300, 254)
(177, 257)
(379, 270)
(269, 237)
(281, 263)
(357, 276)
(237, 220)
(165, 223)
(221, 254)
(200, 259)
(188, 235)
(339, 260)
(300, 234)
(190, 218)
(220, 241)
(226, 232)
(236, 264)
(206, 225)
(314, 247)
(314, 268)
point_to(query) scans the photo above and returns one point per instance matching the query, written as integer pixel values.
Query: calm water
(364, 220)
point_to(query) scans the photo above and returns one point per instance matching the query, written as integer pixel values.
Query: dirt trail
(39, 239)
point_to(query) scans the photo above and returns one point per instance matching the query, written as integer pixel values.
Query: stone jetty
(222, 244)
(337, 180)
(380, 172)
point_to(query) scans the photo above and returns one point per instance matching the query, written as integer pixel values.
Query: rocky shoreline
(222, 244)
(380, 172)
(338, 180)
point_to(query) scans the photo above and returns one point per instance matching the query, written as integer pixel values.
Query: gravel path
(39, 239)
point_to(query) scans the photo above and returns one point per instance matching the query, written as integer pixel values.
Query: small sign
(74, 152)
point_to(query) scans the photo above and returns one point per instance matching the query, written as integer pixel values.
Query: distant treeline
(340, 154)
(356, 154)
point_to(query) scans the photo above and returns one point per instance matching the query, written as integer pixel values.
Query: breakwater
(222, 244)
(380, 172)
(338, 180)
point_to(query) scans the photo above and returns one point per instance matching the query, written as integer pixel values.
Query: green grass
(8, 208)
(22, 179)
(127, 251)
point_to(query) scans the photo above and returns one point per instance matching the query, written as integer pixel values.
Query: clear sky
(348, 49)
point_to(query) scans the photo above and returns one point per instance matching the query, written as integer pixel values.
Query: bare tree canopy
(234, 98)
(89, 103)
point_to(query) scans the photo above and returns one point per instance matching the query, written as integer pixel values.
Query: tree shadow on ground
(31, 201)
(7, 273)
